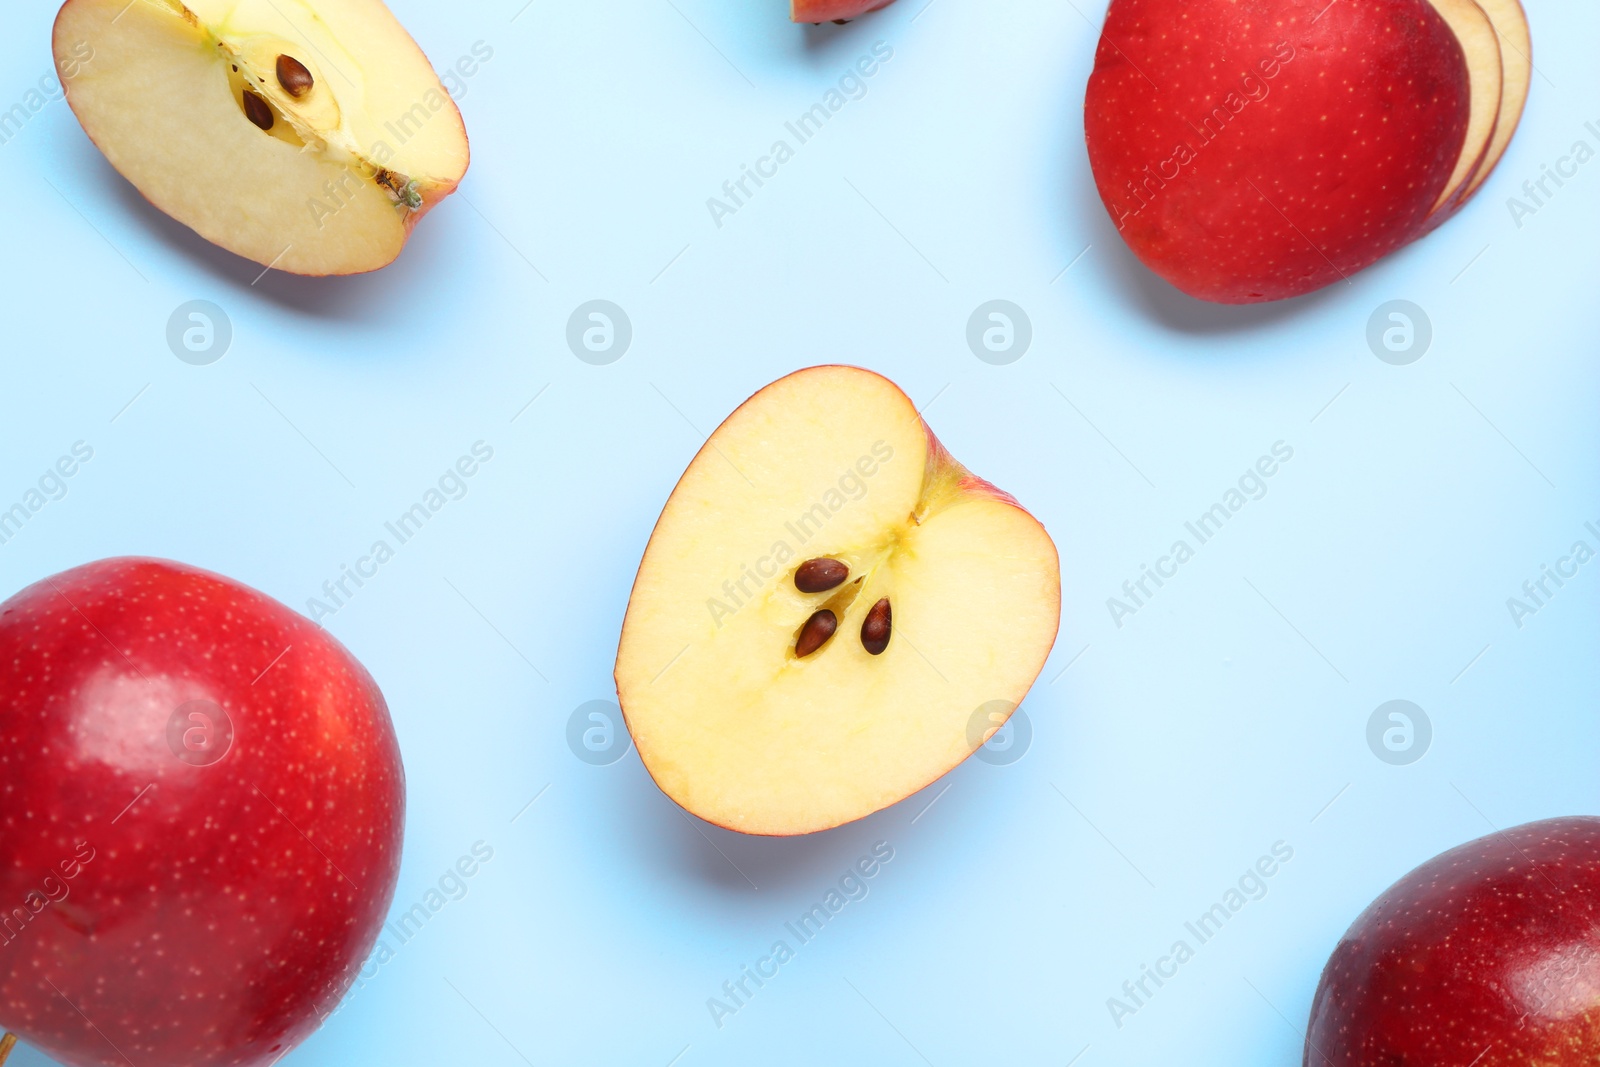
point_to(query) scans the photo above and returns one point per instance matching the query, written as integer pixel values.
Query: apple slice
(1486, 78)
(1516, 53)
(307, 135)
(828, 603)
(832, 10)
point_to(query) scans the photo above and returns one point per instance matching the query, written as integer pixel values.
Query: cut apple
(1259, 150)
(827, 603)
(1254, 150)
(307, 135)
(832, 10)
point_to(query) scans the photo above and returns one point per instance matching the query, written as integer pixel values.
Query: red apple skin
(220, 917)
(1487, 955)
(831, 10)
(1339, 136)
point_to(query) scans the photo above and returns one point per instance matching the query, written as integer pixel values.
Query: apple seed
(294, 77)
(875, 629)
(815, 633)
(257, 110)
(820, 575)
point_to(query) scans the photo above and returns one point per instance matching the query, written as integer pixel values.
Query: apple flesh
(202, 813)
(1480, 47)
(832, 10)
(1255, 150)
(306, 135)
(1515, 40)
(828, 602)
(1486, 955)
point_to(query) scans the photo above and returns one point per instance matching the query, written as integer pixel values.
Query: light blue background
(1167, 755)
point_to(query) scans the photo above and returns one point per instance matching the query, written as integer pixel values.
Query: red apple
(1253, 150)
(201, 807)
(832, 10)
(1488, 955)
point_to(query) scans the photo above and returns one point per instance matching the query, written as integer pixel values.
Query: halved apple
(307, 135)
(828, 603)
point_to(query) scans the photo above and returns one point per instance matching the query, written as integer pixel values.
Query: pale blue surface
(1182, 745)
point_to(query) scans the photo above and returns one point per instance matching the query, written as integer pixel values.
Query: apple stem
(7, 1043)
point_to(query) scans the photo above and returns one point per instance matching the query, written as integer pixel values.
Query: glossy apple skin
(220, 917)
(832, 10)
(1487, 955)
(1339, 135)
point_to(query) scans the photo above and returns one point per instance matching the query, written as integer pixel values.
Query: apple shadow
(380, 296)
(1082, 212)
(1153, 295)
(833, 40)
(733, 866)
(736, 866)
(826, 45)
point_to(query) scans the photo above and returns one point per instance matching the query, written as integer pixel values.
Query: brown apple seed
(294, 77)
(875, 629)
(257, 110)
(820, 575)
(815, 633)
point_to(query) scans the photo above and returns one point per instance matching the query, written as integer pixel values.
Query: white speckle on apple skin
(207, 915)
(1488, 953)
(1269, 148)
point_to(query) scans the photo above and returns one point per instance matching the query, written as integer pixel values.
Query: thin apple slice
(320, 166)
(734, 713)
(1481, 45)
(1516, 53)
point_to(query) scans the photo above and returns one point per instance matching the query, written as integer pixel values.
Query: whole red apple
(201, 810)
(1252, 150)
(1488, 955)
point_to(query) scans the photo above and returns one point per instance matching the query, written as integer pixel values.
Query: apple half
(827, 605)
(306, 135)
